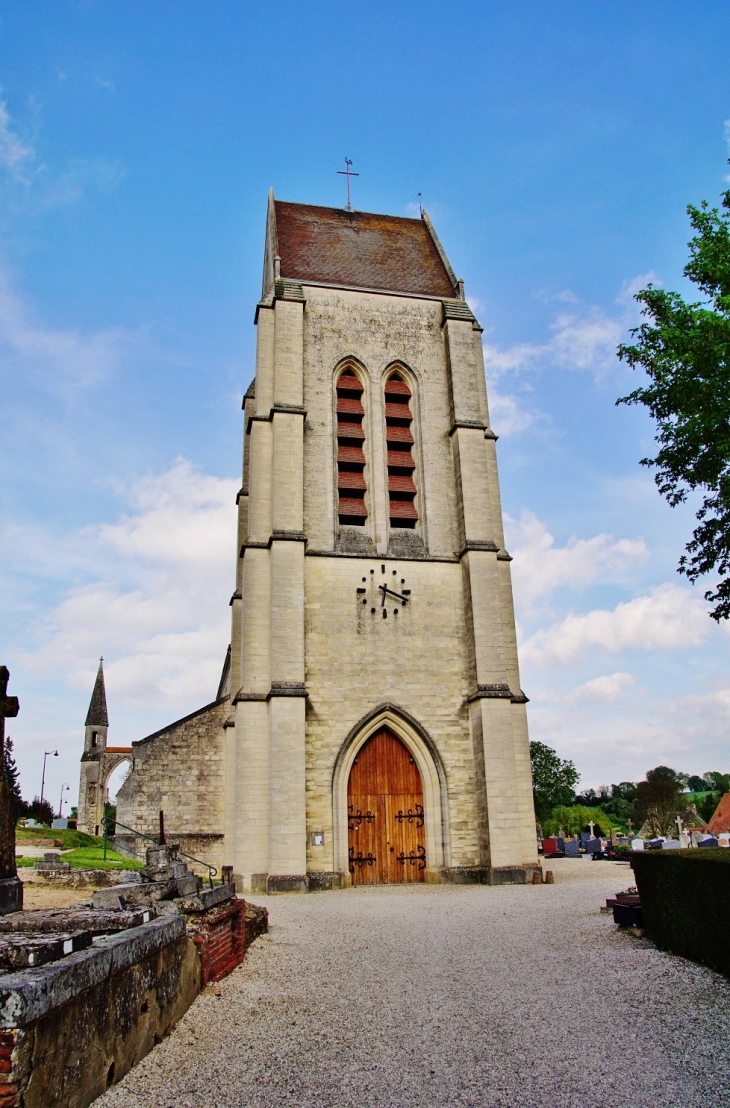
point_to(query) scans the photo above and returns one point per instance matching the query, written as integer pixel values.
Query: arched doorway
(385, 814)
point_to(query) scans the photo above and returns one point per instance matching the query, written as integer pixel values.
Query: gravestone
(572, 849)
(11, 889)
(672, 844)
(60, 824)
(637, 844)
(696, 838)
(708, 840)
(594, 846)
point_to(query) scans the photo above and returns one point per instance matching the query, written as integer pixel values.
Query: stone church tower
(370, 725)
(98, 760)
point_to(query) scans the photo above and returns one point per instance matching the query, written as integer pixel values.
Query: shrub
(685, 902)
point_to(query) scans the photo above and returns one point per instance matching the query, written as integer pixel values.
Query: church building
(369, 726)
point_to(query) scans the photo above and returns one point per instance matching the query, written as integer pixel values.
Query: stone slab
(19, 951)
(208, 898)
(74, 919)
(133, 894)
(28, 995)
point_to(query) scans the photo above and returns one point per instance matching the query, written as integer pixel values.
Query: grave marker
(11, 889)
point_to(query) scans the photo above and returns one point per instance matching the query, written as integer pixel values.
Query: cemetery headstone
(723, 839)
(672, 844)
(637, 844)
(11, 889)
(572, 849)
(696, 838)
(708, 840)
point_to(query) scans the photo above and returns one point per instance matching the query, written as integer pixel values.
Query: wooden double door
(386, 831)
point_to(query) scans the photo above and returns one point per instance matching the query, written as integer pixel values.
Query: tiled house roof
(721, 819)
(333, 246)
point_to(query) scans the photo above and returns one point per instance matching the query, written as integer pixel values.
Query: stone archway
(433, 781)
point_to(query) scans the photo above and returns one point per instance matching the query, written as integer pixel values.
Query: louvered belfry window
(401, 467)
(351, 485)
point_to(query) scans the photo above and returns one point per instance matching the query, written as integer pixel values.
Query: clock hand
(384, 589)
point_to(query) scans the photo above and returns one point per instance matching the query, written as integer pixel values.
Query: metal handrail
(212, 871)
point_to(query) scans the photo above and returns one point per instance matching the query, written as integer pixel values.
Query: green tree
(659, 800)
(553, 780)
(576, 818)
(685, 352)
(10, 770)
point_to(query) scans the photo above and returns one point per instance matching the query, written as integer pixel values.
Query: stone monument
(11, 888)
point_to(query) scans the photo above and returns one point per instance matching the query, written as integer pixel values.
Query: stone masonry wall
(180, 771)
(356, 660)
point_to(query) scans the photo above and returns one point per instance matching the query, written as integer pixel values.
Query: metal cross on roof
(347, 172)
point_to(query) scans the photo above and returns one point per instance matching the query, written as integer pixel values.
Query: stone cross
(591, 825)
(678, 822)
(630, 826)
(9, 708)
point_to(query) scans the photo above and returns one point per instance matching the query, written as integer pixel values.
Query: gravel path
(416, 996)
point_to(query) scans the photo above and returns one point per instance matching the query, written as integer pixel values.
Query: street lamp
(43, 782)
(60, 803)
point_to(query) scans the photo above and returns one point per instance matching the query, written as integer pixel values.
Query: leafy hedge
(685, 902)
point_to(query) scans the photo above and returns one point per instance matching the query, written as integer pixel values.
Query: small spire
(97, 713)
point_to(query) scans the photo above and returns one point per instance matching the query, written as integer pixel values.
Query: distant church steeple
(97, 714)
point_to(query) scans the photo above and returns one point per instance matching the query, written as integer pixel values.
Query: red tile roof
(332, 246)
(721, 819)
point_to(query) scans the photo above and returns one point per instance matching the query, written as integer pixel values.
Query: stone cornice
(467, 425)
(276, 536)
(285, 409)
(500, 691)
(381, 557)
(478, 544)
(236, 596)
(278, 688)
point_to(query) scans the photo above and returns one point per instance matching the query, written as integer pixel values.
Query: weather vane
(347, 172)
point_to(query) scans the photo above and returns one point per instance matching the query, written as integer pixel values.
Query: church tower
(380, 731)
(97, 761)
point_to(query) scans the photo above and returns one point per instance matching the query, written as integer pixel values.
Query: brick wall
(8, 1088)
(221, 939)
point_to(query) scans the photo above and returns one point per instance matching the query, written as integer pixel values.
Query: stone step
(188, 886)
(133, 895)
(208, 898)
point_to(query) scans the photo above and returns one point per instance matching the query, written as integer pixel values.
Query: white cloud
(581, 339)
(669, 618)
(508, 415)
(540, 567)
(104, 82)
(14, 154)
(29, 348)
(157, 606)
(606, 689)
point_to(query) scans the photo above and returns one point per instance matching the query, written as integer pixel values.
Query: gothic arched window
(401, 467)
(351, 485)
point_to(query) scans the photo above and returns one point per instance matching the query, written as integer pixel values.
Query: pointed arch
(351, 456)
(433, 777)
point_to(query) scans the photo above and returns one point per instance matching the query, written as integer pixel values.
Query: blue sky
(556, 147)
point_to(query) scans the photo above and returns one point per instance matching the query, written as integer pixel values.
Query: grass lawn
(85, 851)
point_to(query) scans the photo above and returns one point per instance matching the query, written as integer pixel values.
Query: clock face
(383, 591)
